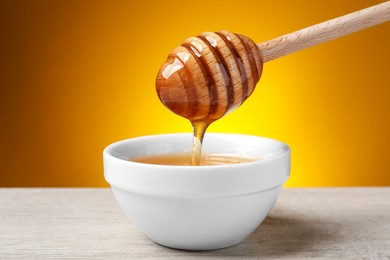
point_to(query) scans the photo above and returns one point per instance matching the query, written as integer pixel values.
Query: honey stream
(199, 129)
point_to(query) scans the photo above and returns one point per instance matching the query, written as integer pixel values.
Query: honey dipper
(212, 74)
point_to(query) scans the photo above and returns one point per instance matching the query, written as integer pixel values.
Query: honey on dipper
(207, 77)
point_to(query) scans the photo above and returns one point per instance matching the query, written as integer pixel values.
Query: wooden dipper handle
(325, 31)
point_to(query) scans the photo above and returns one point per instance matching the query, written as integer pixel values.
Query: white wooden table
(88, 224)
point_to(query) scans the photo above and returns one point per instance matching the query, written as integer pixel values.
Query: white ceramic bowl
(203, 207)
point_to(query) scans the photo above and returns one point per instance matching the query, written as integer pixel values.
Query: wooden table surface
(88, 224)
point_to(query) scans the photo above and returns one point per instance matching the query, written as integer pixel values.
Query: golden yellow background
(78, 75)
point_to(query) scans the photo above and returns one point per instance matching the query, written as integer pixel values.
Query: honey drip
(199, 129)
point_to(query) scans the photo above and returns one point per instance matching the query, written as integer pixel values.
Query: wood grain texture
(325, 31)
(336, 223)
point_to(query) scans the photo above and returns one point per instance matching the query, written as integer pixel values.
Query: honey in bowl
(185, 159)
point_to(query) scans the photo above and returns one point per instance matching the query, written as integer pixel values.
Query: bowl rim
(107, 152)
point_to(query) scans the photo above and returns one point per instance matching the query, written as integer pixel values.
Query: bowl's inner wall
(227, 144)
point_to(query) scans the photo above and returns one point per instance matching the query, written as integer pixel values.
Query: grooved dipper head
(209, 75)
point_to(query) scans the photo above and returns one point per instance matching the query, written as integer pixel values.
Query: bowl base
(199, 248)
